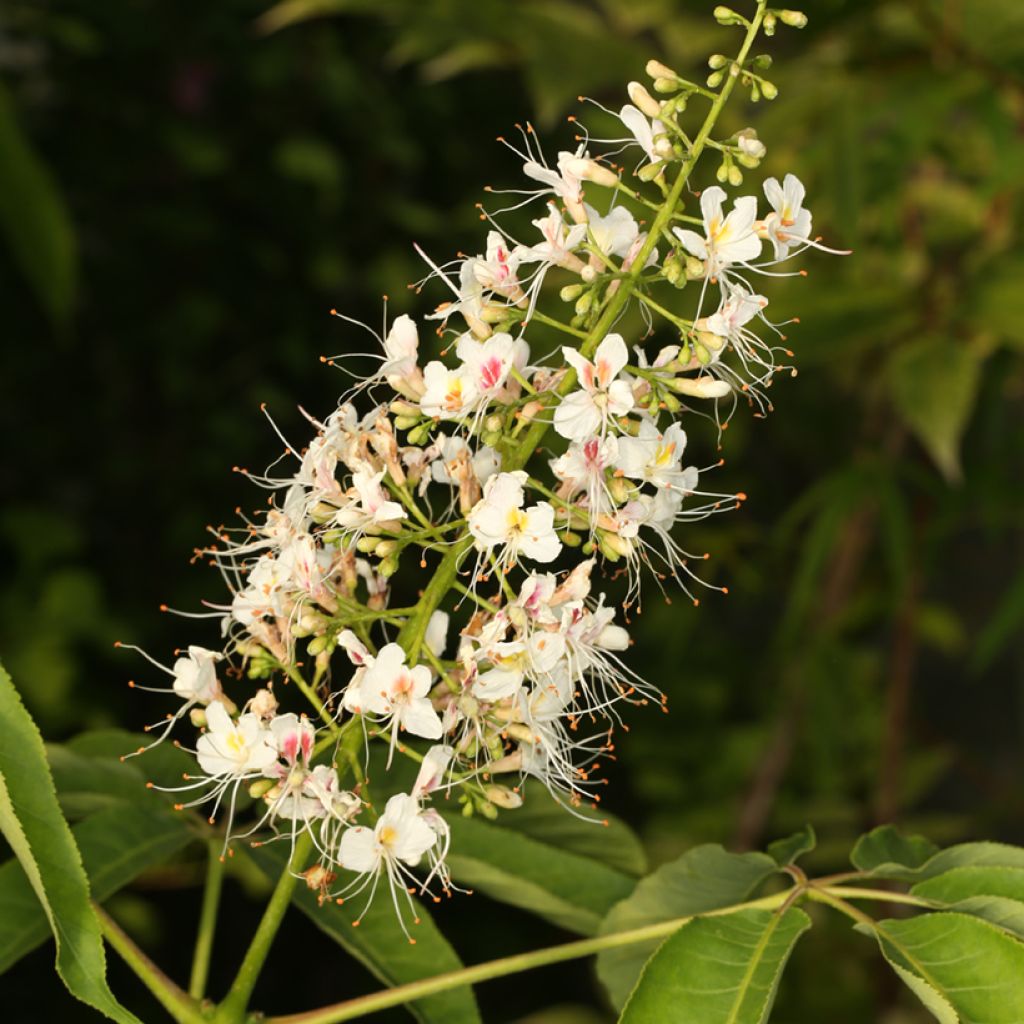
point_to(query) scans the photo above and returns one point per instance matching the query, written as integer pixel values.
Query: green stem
(353, 1009)
(178, 1003)
(232, 1010)
(310, 694)
(207, 920)
(618, 302)
(883, 895)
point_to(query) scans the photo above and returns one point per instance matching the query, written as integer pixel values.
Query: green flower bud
(655, 69)
(769, 24)
(695, 268)
(735, 176)
(665, 85)
(584, 302)
(570, 292)
(570, 539)
(405, 422)
(671, 402)
(386, 548)
(715, 79)
(261, 787)
(367, 545)
(727, 16)
(388, 566)
(762, 62)
(794, 19)
(769, 90)
(318, 644)
(717, 61)
(419, 435)
(650, 171)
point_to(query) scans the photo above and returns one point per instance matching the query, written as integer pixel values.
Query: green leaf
(933, 382)
(704, 878)
(163, 764)
(32, 823)
(787, 851)
(117, 845)
(571, 891)
(87, 784)
(600, 837)
(965, 882)
(34, 221)
(1003, 913)
(886, 853)
(380, 945)
(962, 964)
(936, 1004)
(717, 970)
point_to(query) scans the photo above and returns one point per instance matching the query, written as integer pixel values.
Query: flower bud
(665, 85)
(671, 403)
(650, 171)
(318, 644)
(591, 170)
(588, 274)
(769, 90)
(386, 547)
(762, 62)
(502, 796)
(197, 716)
(388, 566)
(735, 176)
(263, 703)
(406, 422)
(655, 69)
(607, 549)
(769, 24)
(727, 16)
(715, 79)
(570, 539)
(620, 489)
(701, 387)
(584, 302)
(664, 148)
(570, 292)
(494, 422)
(261, 787)
(531, 410)
(794, 19)
(695, 268)
(419, 435)
(717, 61)
(367, 545)
(643, 99)
(400, 407)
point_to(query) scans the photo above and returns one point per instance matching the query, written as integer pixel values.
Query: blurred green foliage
(232, 172)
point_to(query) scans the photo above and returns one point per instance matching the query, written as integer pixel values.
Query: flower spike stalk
(500, 489)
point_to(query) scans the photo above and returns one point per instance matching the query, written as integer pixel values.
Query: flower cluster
(516, 475)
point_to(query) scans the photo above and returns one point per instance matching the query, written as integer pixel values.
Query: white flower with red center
(583, 467)
(735, 312)
(488, 363)
(727, 239)
(601, 397)
(499, 521)
(496, 270)
(560, 242)
(655, 458)
(396, 694)
(789, 224)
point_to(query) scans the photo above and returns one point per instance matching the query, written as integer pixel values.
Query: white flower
(615, 233)
(655, 458)
(487, 363)
(432, 770)
(293, 738)
(737, 310)
(583, 468)
(450, 394)
(496, 270)
(195, 679)
(370, 504)
(727, 240)
(230, 748)
(499, 520)
(560, 242)
(396, 843)
(388, 688)
(601, 397)
(453, 453)
(564, 183)
(642, 130)
(789, 223)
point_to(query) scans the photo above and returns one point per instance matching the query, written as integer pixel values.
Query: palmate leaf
(962, 968)
(33, 825)
(381, 946)
(704, 878)
(717, 970)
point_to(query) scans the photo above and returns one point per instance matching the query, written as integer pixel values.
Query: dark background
(186, 190)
